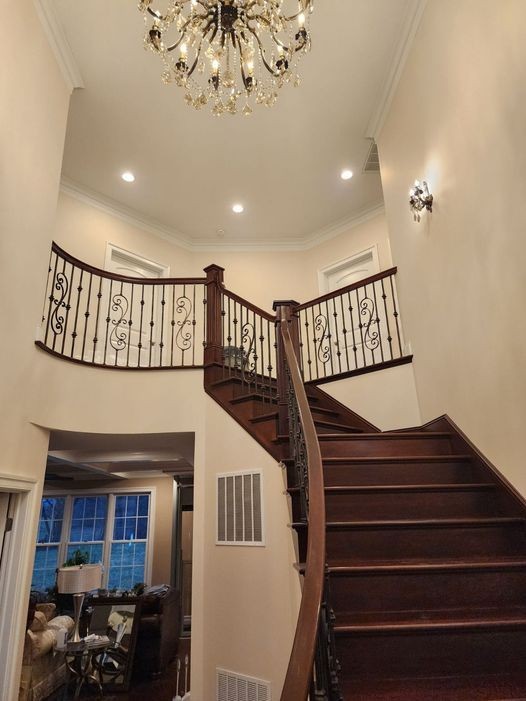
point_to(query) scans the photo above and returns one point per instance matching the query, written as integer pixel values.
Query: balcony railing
(99, 318)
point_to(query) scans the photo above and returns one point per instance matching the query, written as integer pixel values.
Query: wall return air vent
(235, 687)
(239, 509)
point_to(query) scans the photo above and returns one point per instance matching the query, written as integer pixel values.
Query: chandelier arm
(197, 55)
(241, 63)
(305, 7)
(262, 53)
(183, 34)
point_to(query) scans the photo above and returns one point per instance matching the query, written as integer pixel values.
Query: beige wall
(457, 121)
(84, 231)
(252, 593)
(387, 399)
(34, 104)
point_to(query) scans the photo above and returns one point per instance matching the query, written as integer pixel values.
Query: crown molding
(134, 218)
(410, 27)
(59, 44)
(120, 211)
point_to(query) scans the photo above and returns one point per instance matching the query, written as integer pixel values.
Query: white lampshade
(79, 579)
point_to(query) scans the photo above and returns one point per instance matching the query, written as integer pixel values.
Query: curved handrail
(299, 672)
(77, 263)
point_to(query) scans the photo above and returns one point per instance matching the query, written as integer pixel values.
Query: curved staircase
(426, 553)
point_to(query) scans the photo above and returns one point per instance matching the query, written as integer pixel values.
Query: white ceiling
(282, 163)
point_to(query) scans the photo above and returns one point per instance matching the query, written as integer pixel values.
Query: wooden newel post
(285, 312)
(214, 291)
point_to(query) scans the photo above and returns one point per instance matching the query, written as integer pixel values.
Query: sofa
(43, 666)
(159, 631)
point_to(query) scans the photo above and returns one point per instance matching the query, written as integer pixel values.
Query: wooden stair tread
(320, 423)
(254, 396)
(342, 567)
(436, 620)
(484, 687)
(396, 488)
(386, 436)
(425, 523)
(264, 417)
(447, 457)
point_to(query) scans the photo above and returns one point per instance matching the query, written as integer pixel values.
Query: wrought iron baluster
(139, 344)
(314, 341)
(337, 341)
(194, 323)
(354, 346)
(344, 332)
(172, 323)
(51, 298)
(49, 269)
(87, 315)
(95, 338)
(108, 319)
(262, 355)
(269, 366)
(395, 314)
(378, 325)
(161, 342)
(360, 326)
(77, 307)
(152, 324)
(57, 318)
(307, 339)
(68, 307)
(389, 337)
(130, 325)
(329, 337)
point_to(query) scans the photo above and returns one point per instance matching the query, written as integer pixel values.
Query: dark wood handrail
(64, 255)
(343, 290)
(299, 672)
(249, 305)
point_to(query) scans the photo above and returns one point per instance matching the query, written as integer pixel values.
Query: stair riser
(368, 447)
(427, 591)
(415, 505)
(423, 543)
(432, 654)
(322, 430)
(401, 473)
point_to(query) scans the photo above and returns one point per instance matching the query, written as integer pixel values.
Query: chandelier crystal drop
(229, 54)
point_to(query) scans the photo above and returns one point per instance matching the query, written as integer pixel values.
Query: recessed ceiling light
(346, 174)
(238, 208)
(128, 177)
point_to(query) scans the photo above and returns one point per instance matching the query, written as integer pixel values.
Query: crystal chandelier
(231, 54)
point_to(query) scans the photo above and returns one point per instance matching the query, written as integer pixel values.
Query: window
(48, 542)
(111, 528)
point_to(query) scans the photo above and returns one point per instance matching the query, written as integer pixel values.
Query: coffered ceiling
(282, 163)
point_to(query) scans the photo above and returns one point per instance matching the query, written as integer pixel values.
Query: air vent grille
(239, 509)
(372, 162)
(235, 687)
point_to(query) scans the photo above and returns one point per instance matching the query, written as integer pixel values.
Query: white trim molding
(130, 216)
(16, 578)
(59, 44)
(410, 27)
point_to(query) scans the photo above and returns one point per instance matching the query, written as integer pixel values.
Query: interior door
(139, 305)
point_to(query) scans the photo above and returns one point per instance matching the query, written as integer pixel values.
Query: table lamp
(78, 580)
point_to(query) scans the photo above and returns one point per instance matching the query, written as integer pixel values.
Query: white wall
(457, 121)
(33, 116)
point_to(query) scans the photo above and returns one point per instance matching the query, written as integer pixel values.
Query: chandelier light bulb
(252, 49)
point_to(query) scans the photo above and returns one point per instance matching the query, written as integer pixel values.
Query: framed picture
(118, 618)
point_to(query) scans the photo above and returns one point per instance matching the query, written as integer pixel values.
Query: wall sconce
(420, 198)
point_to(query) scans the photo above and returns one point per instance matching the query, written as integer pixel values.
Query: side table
(81, 661)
